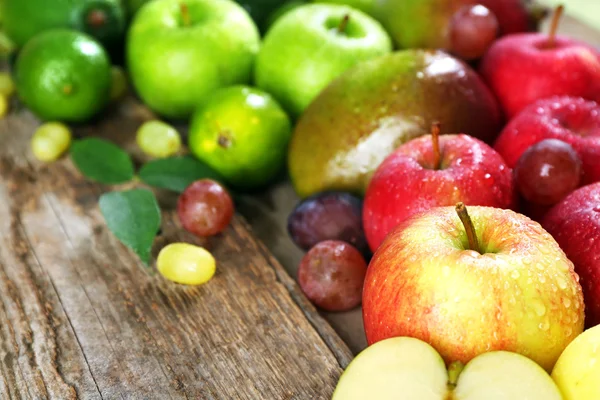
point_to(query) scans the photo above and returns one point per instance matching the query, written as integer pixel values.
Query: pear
(376, 106)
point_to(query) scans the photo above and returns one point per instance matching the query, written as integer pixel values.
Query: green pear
(376, 106)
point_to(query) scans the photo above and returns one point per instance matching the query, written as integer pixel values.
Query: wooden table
(80, 317)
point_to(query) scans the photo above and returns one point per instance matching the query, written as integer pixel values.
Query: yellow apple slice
(502, 375)
(393, 369)
(577, 371)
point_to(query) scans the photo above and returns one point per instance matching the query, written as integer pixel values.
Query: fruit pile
(446, 154)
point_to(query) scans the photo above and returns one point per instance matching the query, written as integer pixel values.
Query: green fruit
(50, 141)
(133, 6)
(312, 45)
(158, 139)
(376, 106)
(243, 134)
(63, 75)
(179, 52)
(102, 19)
(186, 264)
(281, 11)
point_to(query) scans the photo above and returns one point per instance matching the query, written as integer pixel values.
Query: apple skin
(520, 70)
(173, 67)
(575, 224)
(522, 295)
(406, 183)
(573, 120)
(303, 52)
(577, 371)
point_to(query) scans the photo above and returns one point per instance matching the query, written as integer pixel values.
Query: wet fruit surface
(205, 208)
(331, 275)
(328, 216)
(548, 171)
(186, 264)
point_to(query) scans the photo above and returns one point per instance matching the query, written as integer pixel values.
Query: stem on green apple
(454, 371)
(435, 138)
(463, 214)
(185, 14)
(554, 26)
(343, 23)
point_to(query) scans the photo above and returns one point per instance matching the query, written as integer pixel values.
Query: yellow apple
(577, 371)
(405, 368)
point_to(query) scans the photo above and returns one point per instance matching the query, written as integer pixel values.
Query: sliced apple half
(405, 368)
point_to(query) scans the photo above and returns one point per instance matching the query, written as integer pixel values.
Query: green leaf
(102, 161)
(134, 218)
(176, 173)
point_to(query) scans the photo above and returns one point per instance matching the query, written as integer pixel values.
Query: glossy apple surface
(575, 224)
(408, 368)
(407, 182)
(520, 294)
(577, 371)
(573, 120)
(523, 68)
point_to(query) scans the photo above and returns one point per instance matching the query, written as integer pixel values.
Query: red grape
(548, 171)
(331, 275)
(328, 216)
(205, 208)
(473, 29)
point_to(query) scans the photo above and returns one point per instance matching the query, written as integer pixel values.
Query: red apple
(523, 68)
(518, 292)
(573, 120)
(575, 224)
(411, 180)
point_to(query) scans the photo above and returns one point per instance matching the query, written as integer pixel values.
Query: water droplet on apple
(577, 305)
(506, 285)
(545, 325)
(446, 270)
(561, 282)
(529, 281)
(538, 307)
(512, 300)
(592, 362)
(569, 331)
(542, 278)
(566, 302)
(539, 266)
(457, 299)
(515, 274)
(554, 288)
(527, 261)
(420, 75)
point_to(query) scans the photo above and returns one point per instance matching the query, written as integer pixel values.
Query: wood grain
(80, 317)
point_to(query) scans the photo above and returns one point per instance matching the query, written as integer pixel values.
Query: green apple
(577, 371)
(498, 281)
(312, 45)
(403, 368)
(180, 51)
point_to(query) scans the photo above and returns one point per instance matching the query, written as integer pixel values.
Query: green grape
(118, 86)
(186, 264)
(50, 141)
(7, 85)
(3, 106)
(158, 139)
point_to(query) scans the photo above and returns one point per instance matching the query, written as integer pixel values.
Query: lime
(158, 139)
(50, 141)
(63, 75)
(243, 134)
(103, 19)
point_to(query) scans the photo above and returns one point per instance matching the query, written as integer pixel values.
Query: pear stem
(435, 138)
(554, 25)
(454, 371)
(463, 214)
(343, 23)
(185, 14)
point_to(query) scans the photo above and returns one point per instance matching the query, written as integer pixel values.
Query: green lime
(63, 75)
(102, 19)
(158, 139)
(50, 141)
(243, 134)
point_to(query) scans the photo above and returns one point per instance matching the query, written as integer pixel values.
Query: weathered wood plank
(80, 317)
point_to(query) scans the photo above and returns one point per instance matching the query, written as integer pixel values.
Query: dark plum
(205, 208)
(328, 216)
(332, 274)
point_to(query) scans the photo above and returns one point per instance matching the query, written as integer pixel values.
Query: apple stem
(435, 138)
(67, 89)
(554, 26)
(343, 23)
(454, 370)
(185, 14)
(463, 214)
